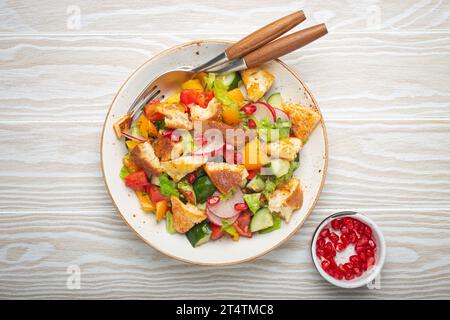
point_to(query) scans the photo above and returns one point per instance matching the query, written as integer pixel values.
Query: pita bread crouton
(174, 117)
(180, 167)
(257, 81)
(185, 216)
(286, 198)
(287, 148)
(304, 120)
(225, 176)
(144, 156)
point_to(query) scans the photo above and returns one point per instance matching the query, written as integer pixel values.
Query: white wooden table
(381, 77)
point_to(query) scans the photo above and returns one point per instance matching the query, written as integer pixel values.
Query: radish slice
(225, 208)
(129, 136)
(280, 114)
(218, 221)
(264, 111)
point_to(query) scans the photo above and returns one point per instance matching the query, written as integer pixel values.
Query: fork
(238, 50)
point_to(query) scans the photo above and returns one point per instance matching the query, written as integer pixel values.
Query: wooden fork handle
(264, 35)
(285, 45)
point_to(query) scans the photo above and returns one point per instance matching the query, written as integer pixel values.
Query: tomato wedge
(217, 231)
(242, 224)
(137, 181)
(155, 194)
(201, 99)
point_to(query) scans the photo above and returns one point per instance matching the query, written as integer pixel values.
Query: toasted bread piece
(123, 124)
(285, 149)
(211, 111)
(303, 119)
(174, 117)
(185, 216)
(180, 167)
(286, 198)
(257, 81)
(144, 156)
(166, 149)
(225, 176)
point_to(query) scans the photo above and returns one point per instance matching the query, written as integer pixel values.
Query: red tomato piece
(155, 194)
(137, 181)
(242, 224)
(217, 231)
(201, 99)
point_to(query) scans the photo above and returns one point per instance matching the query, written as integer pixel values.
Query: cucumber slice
(276, 225)
(275, 100)
(256, 184)
(279, 167)
(261, 220)
(169, 223)
(253, 201)
(230, 80)
(199, 234)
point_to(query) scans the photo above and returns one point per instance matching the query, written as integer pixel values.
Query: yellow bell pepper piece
(142, 124)
(255, 155)
(230, 115)
(161, 209)
(174, 98)
(193, 84)
(236, 95)
(131, 144)
(145, 201)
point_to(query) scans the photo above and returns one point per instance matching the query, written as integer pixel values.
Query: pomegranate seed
(345, 239)
(348, 266)
(356, 225)
(368, 231)
(341, 268)
(362, 256)
(363, 242)
(358, 272)
(191, 177)
(359, 249)
(372, 244)
(344, 230)
(324, 233)
(348, 222)
(334, 237)
(249, 109)
(370, 262)
(320, 243)
(240, 206)
(349, 276)
(355, 260)
(168, 133)
(325, 265)
(251, 124)
(340, 247)
(212, 201)
(336, 224)
(339, 275)
(369, 253)
(352, 237)
(320, 252)
(328, 247)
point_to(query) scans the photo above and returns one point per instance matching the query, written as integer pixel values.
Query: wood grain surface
(381, 77)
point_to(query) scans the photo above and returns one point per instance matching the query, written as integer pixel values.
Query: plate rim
(275, 246)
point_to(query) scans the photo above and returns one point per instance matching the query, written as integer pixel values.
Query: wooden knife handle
(285, 45)
(264, 35)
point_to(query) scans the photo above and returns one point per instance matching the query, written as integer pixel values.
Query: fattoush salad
(216, 159)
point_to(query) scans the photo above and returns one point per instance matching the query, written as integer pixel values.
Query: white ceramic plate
(312, 171)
